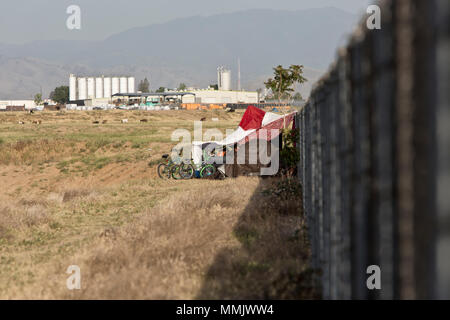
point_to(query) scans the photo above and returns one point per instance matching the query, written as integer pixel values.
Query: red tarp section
(252, 118)
(268, 135)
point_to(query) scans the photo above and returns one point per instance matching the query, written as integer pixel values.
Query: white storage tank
(107, 87)
(226, 80)
(91, 88)
(72, 88)
(99, 88)
(115, 85)
(123, 85)
(131, 85)
(82, 89)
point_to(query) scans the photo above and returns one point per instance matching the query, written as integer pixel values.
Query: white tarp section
(197, 152)
(270, 117)
(236, 136)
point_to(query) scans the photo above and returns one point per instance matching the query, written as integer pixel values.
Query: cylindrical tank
(91, 88)
(123, 85)
(82, 89)
(131, 84)
(226, 80)
(99, 88)
(107, 87)
(115, 86)
(72, 88)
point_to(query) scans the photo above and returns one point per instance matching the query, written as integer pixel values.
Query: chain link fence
(375, 158)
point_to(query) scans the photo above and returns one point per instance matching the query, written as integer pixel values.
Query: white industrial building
(27, 104)
(102, 91)
(224, 94)
(212, 96)
(90, 88)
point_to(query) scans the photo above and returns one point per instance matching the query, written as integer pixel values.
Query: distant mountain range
(185, 50)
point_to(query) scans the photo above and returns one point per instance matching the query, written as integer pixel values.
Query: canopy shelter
(153, 94)
(255, 124)
(163, 95)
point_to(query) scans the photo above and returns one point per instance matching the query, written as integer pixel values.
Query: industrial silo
(99, 88)
(115, 85)
(107, 87)
(72, 87)
(226, 80)
(131, 84)
(91, 88)
(82, 89)
(123, 85)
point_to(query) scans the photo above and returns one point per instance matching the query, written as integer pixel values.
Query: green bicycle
(165, 169)
(207, 169)
(175, 169)
(184, 171)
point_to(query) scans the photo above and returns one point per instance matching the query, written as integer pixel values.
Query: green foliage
(182, 87)
(279, 96)
(161, 90)
(144, 85)
(284, 189)
(38, 99)
(298, 96)
(246, 235)
(60, 95)
(289, 153)
(282, 84)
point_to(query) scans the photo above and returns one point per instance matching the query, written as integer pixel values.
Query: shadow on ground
(272, 261)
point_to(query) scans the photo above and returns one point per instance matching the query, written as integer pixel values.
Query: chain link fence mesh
(374, 166)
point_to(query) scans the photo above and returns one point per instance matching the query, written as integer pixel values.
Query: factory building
(211, 96)
(103, 91)
(99, 88)
(223, 95)
(26, 104)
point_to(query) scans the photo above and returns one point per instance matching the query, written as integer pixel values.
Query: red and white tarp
(255, 123)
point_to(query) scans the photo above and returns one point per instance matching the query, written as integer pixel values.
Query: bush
(289, 153)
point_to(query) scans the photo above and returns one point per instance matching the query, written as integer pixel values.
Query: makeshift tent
(255, 124)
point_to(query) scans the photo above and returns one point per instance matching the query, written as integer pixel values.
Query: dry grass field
(78, 193)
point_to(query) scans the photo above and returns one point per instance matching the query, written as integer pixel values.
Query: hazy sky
(27, 20)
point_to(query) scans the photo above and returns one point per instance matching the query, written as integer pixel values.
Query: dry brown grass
(64, 136)
(133, 235)
(20, 218)
(226, 243)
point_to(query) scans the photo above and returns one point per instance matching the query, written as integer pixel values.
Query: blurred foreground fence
(375, 158)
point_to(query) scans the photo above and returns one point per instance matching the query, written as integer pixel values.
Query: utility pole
(239, 74)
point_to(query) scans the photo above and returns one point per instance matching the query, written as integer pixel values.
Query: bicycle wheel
(163, 171)
(187, 171)
(207, 171)
(175, 172)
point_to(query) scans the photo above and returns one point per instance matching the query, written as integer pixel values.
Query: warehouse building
(196, 96)
(26, 104)
(211, 96)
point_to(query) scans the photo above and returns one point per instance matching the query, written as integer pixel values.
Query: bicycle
(165, 169)
(209, 169)
(184, 171)
(176, 169)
